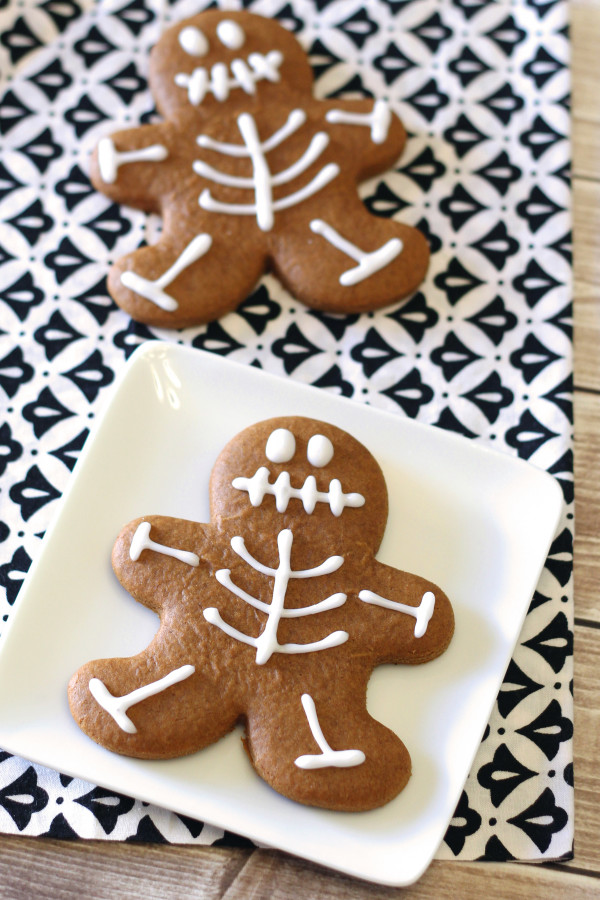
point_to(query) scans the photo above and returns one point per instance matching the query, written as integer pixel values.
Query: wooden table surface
(39, 868)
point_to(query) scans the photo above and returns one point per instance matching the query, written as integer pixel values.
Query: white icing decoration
(312, 152)
(319, 450)
(326, 175)
(368, 263)
(221, 83)
(341, 759)
(155, 290)
(230, 34)
(110, 159)
(281, 446)
(243, 76)
(141, 541)
(196, 84)
(295, 120)
(262, 181)
(261, 174)
(421, 613)
(223, 576)
(117, 706)
(378, 120)
(259, 486)
(266, 643)
(193, 41)
(265, 67)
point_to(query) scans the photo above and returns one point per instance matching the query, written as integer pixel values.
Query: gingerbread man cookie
(249, 172)
(274, 615)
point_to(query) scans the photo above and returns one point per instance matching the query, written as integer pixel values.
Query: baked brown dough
(298, 510)
(249, 172)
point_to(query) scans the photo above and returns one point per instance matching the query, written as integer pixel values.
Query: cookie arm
(410, 617)
(371, 134)
(156, 557)
(132, 166)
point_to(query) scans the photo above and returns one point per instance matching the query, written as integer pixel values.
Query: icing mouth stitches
(259, 486)
(243, 75)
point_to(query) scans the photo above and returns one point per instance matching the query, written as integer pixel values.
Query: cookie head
(300, 473)
(222, 59)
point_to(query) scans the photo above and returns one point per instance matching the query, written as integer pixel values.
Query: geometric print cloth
(484, 348)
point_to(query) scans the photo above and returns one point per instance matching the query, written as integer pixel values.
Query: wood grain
(587, 730)
(587, 515)
(43, 868)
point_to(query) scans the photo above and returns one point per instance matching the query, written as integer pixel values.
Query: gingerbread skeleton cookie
(251, 173)
(273, 615)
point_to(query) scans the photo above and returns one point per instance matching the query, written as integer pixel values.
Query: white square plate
(476, 522)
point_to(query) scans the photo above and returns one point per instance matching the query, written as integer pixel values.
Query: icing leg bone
(338, 758)
(141, 541)
(368, 263)
(421, 613)
(155, 290)
(117, 706)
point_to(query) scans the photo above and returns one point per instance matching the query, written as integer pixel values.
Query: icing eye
(230, 34)
(281, 446)
(193, 41)
(319, 450)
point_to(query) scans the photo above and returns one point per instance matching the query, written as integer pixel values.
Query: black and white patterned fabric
(484, 348)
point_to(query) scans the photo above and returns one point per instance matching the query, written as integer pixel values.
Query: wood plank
(585, 60)
(50, 869)
(587, 506)
(587, 751)
(586, 212)
(585, 30)
(272, 875)
(586, 148)
(28, 868)
(587, 283)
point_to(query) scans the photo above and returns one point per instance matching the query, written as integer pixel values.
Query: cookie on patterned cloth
(251, 173)
(273, 615)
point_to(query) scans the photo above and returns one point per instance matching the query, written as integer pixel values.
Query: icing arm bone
(141, 541)
(110, 159)
(370, 128)
(421, 613)
(127, 164)
(377, 121)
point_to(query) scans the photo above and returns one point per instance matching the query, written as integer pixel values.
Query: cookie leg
(186, 278)
(313, 750)
(352, 263)
(149, 709)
